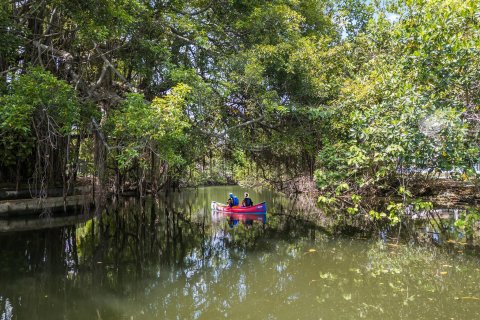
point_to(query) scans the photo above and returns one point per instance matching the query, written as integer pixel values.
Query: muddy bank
(448, 193)
(441, 192)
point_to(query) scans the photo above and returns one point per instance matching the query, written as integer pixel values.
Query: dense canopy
(357, 96)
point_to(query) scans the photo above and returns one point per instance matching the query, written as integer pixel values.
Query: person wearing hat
(247, 202)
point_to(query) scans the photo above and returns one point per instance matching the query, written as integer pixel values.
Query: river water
(169, 258)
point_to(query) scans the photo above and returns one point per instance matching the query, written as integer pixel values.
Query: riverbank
(450, 201)
(435, 211)
(28, 202)
(441, 191)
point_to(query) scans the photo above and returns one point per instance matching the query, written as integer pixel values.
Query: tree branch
(194, 13)
(102, 75)
(100, 134)
(246, 123)
(109, 64)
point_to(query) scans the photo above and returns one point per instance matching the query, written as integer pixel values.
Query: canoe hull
(260, 208)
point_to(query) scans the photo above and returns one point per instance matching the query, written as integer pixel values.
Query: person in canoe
(232, 200)
(247, 202)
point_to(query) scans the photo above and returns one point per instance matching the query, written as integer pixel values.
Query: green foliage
(35, 101)
(139, 127)
(467, 221)
(96, 18)
(362, 96)
(408, 107)
(9, 41)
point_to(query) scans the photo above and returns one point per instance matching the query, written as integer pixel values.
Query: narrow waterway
(170, 258)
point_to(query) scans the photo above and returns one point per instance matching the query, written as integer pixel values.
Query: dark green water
(169, 260)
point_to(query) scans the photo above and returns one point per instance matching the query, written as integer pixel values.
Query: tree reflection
(167, 258)
(164, 240)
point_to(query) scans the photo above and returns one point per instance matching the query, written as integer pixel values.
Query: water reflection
(166, 258)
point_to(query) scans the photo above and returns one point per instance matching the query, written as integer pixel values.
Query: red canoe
(260, 208)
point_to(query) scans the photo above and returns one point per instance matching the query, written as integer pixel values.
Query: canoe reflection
(234, 218)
